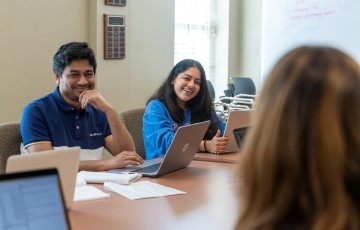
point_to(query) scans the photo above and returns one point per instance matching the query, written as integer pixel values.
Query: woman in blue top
(182, 99)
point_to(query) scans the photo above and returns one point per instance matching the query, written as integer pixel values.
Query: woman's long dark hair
(201, 106)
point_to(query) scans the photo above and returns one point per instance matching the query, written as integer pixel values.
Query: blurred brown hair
(300, 164)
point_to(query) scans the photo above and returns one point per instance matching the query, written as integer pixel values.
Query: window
(195, 33)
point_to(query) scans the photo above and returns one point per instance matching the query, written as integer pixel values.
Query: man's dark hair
(70, 52)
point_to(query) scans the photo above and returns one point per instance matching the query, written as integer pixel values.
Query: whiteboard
(290, 23)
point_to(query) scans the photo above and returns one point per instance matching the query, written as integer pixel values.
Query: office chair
(211, 89)
(245, 92)
(218, 106)
(244, 85)
(10, 140)
(231, 90)
(132, 120)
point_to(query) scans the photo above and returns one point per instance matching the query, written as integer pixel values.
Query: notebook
(65, 160)
(236, 126)
(32, 200)
(179, 154)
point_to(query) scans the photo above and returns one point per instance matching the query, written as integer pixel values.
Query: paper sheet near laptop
(84, 192)
(88, 192)
(141, 190)
(102, 177)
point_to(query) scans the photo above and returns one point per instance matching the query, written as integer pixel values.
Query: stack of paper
(102, 177)
(142, 189)
(88, 192)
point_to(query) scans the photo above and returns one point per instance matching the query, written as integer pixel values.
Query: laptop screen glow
(33, 202)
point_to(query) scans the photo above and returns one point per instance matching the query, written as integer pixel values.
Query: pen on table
(118, 172)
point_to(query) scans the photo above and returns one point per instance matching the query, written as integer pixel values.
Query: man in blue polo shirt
(75, 114)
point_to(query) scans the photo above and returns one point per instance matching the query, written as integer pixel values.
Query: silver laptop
(66, 161)
(179, 154)
(236, 126)
(32, 200)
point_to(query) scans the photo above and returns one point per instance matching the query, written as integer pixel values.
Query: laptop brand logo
(186, 146)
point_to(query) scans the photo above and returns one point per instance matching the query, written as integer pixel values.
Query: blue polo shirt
(52, 119)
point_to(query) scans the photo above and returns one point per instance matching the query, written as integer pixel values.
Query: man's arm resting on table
(119, 161)
(95, 165)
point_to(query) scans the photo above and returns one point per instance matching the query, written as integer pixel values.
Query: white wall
(36, 28)
(249, 47)
(222, 58)
(238, 51)
(33, 30)
(152, 47)
(127, 83)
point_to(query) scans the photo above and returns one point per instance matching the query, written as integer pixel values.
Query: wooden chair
(10, 140)
(132, 119)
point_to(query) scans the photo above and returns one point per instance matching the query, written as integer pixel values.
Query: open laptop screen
(32, 200)
(239, 134)
(66, 160)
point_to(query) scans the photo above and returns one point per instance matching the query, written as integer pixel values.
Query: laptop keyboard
(148, 169)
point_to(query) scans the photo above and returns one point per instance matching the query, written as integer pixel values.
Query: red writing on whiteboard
(305, 9)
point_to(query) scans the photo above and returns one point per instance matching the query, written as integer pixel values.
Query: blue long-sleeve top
(159, 128)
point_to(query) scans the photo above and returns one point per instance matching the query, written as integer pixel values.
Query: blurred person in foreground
(300, 165)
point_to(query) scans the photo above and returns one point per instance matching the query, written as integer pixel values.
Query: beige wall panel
(31, 32)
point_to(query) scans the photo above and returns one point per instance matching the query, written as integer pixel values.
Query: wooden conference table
(210, 202)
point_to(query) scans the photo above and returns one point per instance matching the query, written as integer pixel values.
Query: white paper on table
(88, 192)
(142, 189)
(102, 177)
(80, 181)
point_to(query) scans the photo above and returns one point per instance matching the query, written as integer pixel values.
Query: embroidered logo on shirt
(95, 134)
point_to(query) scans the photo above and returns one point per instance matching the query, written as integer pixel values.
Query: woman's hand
(218, 143)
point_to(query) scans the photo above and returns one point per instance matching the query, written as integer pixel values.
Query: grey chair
(231, 90)
(132, 120)
(218, 106)
(211, 89)
(244, 85)
(10, 140)
(245, 92)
